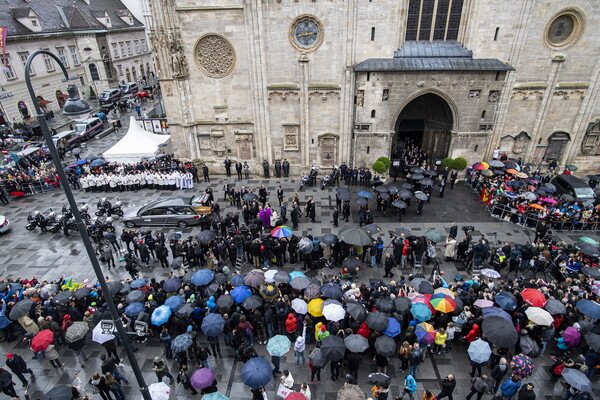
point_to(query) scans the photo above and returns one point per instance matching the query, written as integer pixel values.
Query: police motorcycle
(105, 207)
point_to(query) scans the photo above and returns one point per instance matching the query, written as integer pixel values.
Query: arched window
(128, 74)
(496, 34)
(483, 115)
(94, 72)
(372, 113)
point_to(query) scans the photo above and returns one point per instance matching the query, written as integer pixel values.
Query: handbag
(282, 391)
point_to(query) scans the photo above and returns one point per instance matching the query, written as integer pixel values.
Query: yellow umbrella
(445, 291)
(315, 307)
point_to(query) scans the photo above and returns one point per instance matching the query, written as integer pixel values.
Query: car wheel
(182, 224)
(130, 224)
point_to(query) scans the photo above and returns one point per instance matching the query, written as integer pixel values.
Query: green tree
(379, 167)
(386, 161)
(92, 93)
(460, 164)
(447, 163)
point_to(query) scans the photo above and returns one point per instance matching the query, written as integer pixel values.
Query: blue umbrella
(393, 328)
(364, 193)
(212, 325)
(589, 308)
(511, 195)
(479, 351)
(506, 301)
(240, 293)
(172, 285)
(81, 162)
(174, 302)
(237, 280)
(97, 163)
(202, 277)
(138, 283)
(160, 315)
(257, 372)
(15, 286)
(295, 274)
(181, 343)
(420, 311)
(214, 396)
(134, 309)
(495, 312)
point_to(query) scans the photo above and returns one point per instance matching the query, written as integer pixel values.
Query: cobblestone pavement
(47, 255)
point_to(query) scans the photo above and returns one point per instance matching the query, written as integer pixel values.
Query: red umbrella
(295, 396)
(44, 102)
(42, 340)
(534, 297)
(63, 96)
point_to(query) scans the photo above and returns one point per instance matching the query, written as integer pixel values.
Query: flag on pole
(3, 31)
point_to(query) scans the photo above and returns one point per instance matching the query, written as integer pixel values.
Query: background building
(331, 81)
(99, 41)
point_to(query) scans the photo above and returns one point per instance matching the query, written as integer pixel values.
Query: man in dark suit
(227, 163)
(286, 168)
(295, 216)
(238, 169)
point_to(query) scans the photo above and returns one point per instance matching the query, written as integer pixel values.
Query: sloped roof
(63, 15)
(432, 56)
(136, 143)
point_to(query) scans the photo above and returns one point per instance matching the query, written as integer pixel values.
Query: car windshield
(80, 128)
(584, 193)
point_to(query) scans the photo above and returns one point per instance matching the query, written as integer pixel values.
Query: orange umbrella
(539, 207)
(512, 171)
(481, 166)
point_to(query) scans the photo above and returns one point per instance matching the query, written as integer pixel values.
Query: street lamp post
(76, 106)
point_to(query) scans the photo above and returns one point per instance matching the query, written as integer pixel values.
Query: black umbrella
(393, 189)
(549, 186)
(567, 197)
(500, 331)
(221, 278)
(406, 186)
(430, 172)
(356, 310)
(421, 196)
(377, 321)
(399, 204)
(361, 201)
(300, 282)
(174, 236)
(402, 304)
(114, 287)
(49, 291)
(417, 177)
(385, 346)
(384, 196)
(252, 302)
(3, 286)
(178, 261)
(342, 190)
(185, 310)
(356, 236)
(593, 340)
(332, 291)
(329, 238)
(333, 348)
(136, 296)
(344, 196)
(250, 197)
(60, 392)
(554, 307)
(20, 309)
(590, 272)
(400, 231)
(404, 194)
(281, 277)
(317, 358)
(422, 286)
(379, 379)
(351, 262)
(498, 172)
(385, 304)
(426, 182)
(205, 237)
(225, 301)
(211, 288)
(588, 249)
(356, 343)
(63, 297)
(372, 228)
(82, 292)
(382, 189)
(172, 285)
(125, 289)
(417, 170)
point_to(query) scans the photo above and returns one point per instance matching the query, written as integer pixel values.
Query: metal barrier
(30, 188)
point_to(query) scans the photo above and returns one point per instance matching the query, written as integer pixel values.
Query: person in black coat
(227, 164)
(205, 173)
(286, 168)
(389, 264)
(238, 169)
(448, 385)
(265, 166)
(335, 215)
(18, 366)
(295, 215)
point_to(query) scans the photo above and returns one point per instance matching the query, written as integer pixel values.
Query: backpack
(248, 330)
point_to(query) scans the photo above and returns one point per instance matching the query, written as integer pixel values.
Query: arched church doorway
(426, 122)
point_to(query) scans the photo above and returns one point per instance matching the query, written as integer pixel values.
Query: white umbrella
(300, 306)
(100, 337)
(270, 275)
(159, 391)
(539, 316)
(334, 312)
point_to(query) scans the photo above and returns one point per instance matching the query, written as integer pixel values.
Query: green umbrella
(434, 236)
(278, 345)
(214, 396)
(571, 167)
(588, 240)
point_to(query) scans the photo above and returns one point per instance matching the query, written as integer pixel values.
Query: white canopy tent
(137, 144)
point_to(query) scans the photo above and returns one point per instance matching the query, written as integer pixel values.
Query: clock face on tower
(306, 33)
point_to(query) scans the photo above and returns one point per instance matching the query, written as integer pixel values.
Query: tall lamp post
(75, 106)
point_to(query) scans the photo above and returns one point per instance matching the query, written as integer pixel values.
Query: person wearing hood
(410, 387)
(211, 304)
(7, 384)
(473, 334)
(510, 387)
(300, 346)
(291, 325)
(161, 369)
(322, 334)
(364, 331)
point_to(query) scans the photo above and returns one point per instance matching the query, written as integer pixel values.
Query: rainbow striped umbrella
(281, 231)
(443, 303)
(425, 333)
(480, 166)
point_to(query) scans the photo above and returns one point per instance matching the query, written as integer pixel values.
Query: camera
(468, 228)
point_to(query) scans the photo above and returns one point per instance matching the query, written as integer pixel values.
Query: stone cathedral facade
(321, 82)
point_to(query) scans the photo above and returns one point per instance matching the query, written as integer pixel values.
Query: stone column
(304, 109)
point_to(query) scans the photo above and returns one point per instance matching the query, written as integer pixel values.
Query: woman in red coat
(364, 331)
(291, 326)
(473, 334)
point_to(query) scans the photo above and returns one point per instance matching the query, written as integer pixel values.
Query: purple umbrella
(202, 378)
(572, 336)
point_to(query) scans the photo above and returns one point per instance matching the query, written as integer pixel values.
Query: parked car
(109, 96)
(69, 138)
(89, 127)
(175, 212)
(4, 224)
(128, 87)
(573, 186)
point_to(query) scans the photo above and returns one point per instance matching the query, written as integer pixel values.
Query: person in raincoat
(321, 334)
(410, 387)
(291, 326)
(450, 250)
(211, 304)
(161, 369)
